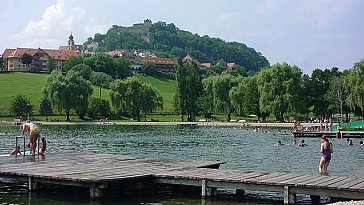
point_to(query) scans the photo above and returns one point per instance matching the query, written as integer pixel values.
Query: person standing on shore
(326, 150)
(34, 132)
(339, 131)
(330, 124)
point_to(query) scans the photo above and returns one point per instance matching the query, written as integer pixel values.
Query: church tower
(71, 42)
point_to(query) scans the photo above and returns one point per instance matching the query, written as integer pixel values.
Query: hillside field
(31, 85)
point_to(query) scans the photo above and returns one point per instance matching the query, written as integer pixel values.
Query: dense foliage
(66, 92)
(170, 41)
(189, 90)
(21, 106)
(131, 97)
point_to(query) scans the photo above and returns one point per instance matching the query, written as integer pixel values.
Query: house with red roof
(40, 59)
(165, 65)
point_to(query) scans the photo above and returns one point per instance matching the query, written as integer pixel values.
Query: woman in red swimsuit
(326, 150)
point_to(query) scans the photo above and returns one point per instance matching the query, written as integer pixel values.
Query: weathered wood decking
(97, 171)
(344, 134)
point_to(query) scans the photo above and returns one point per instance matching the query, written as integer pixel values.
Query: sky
(307, 33)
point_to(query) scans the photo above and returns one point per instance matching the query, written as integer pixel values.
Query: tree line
(280, 90)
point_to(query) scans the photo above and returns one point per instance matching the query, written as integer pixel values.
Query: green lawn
(31, 85)
(12, 84)
(167, 88)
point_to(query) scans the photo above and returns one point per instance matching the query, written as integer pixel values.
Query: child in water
(302, 143)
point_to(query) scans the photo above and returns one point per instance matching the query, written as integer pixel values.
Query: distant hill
(167, 40)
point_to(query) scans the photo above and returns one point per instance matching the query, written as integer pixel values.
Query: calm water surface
(240, 148)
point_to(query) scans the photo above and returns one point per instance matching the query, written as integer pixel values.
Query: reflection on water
(242, 149)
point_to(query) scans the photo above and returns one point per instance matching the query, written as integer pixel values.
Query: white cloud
(95, 27)
(57, 21)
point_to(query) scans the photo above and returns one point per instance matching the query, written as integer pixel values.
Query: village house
(165, 65)
(119, 53)
(41, 59)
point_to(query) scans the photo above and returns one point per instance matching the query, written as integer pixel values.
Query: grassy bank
(31, 86)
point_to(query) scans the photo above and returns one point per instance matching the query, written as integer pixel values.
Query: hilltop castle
(140, 28)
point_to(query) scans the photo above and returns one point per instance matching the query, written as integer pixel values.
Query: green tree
(189, 90)
(279, 88)
(51, 64)
(219, 67)
(70, 91)
(26, 59)
(45, 107)
(152, 100)
(251, 100)
(237, 96)
(1, 62)
(336, 94)
(355, 86)
(101, 62)
(122, 68)
(195, 90)
(21, 106)
(149, 68)
(218, 87)
(98, 107)
(132, 96)
(72, 62)
(101, 79)
(82, 70)
(181, 95)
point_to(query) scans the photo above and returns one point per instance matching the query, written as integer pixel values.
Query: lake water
(241, 149)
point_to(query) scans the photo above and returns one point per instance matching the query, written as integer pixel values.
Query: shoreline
(209, 124)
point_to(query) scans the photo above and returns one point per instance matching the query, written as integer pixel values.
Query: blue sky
(307, 33)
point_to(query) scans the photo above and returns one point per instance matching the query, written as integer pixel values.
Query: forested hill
(166, 40)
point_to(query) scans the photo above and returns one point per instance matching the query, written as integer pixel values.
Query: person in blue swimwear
(326, 150)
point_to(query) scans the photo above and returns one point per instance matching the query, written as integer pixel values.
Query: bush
(21, 106)
(98, 107)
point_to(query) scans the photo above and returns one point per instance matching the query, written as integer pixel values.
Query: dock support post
(30, 185)
(203, 187)
(95, 192)
(289, 198)
(240, 192)
(315, 199)
(207, 191)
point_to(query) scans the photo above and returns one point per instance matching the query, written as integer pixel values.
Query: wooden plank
(337, 184)
(359, 186)
(320, 181)
(310, 180)
(275, 180)
(350, 184)
(331, 181)
(294, 180)
(270, 176)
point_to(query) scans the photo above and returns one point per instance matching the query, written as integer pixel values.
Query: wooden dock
(344, 134)
(98, 171)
